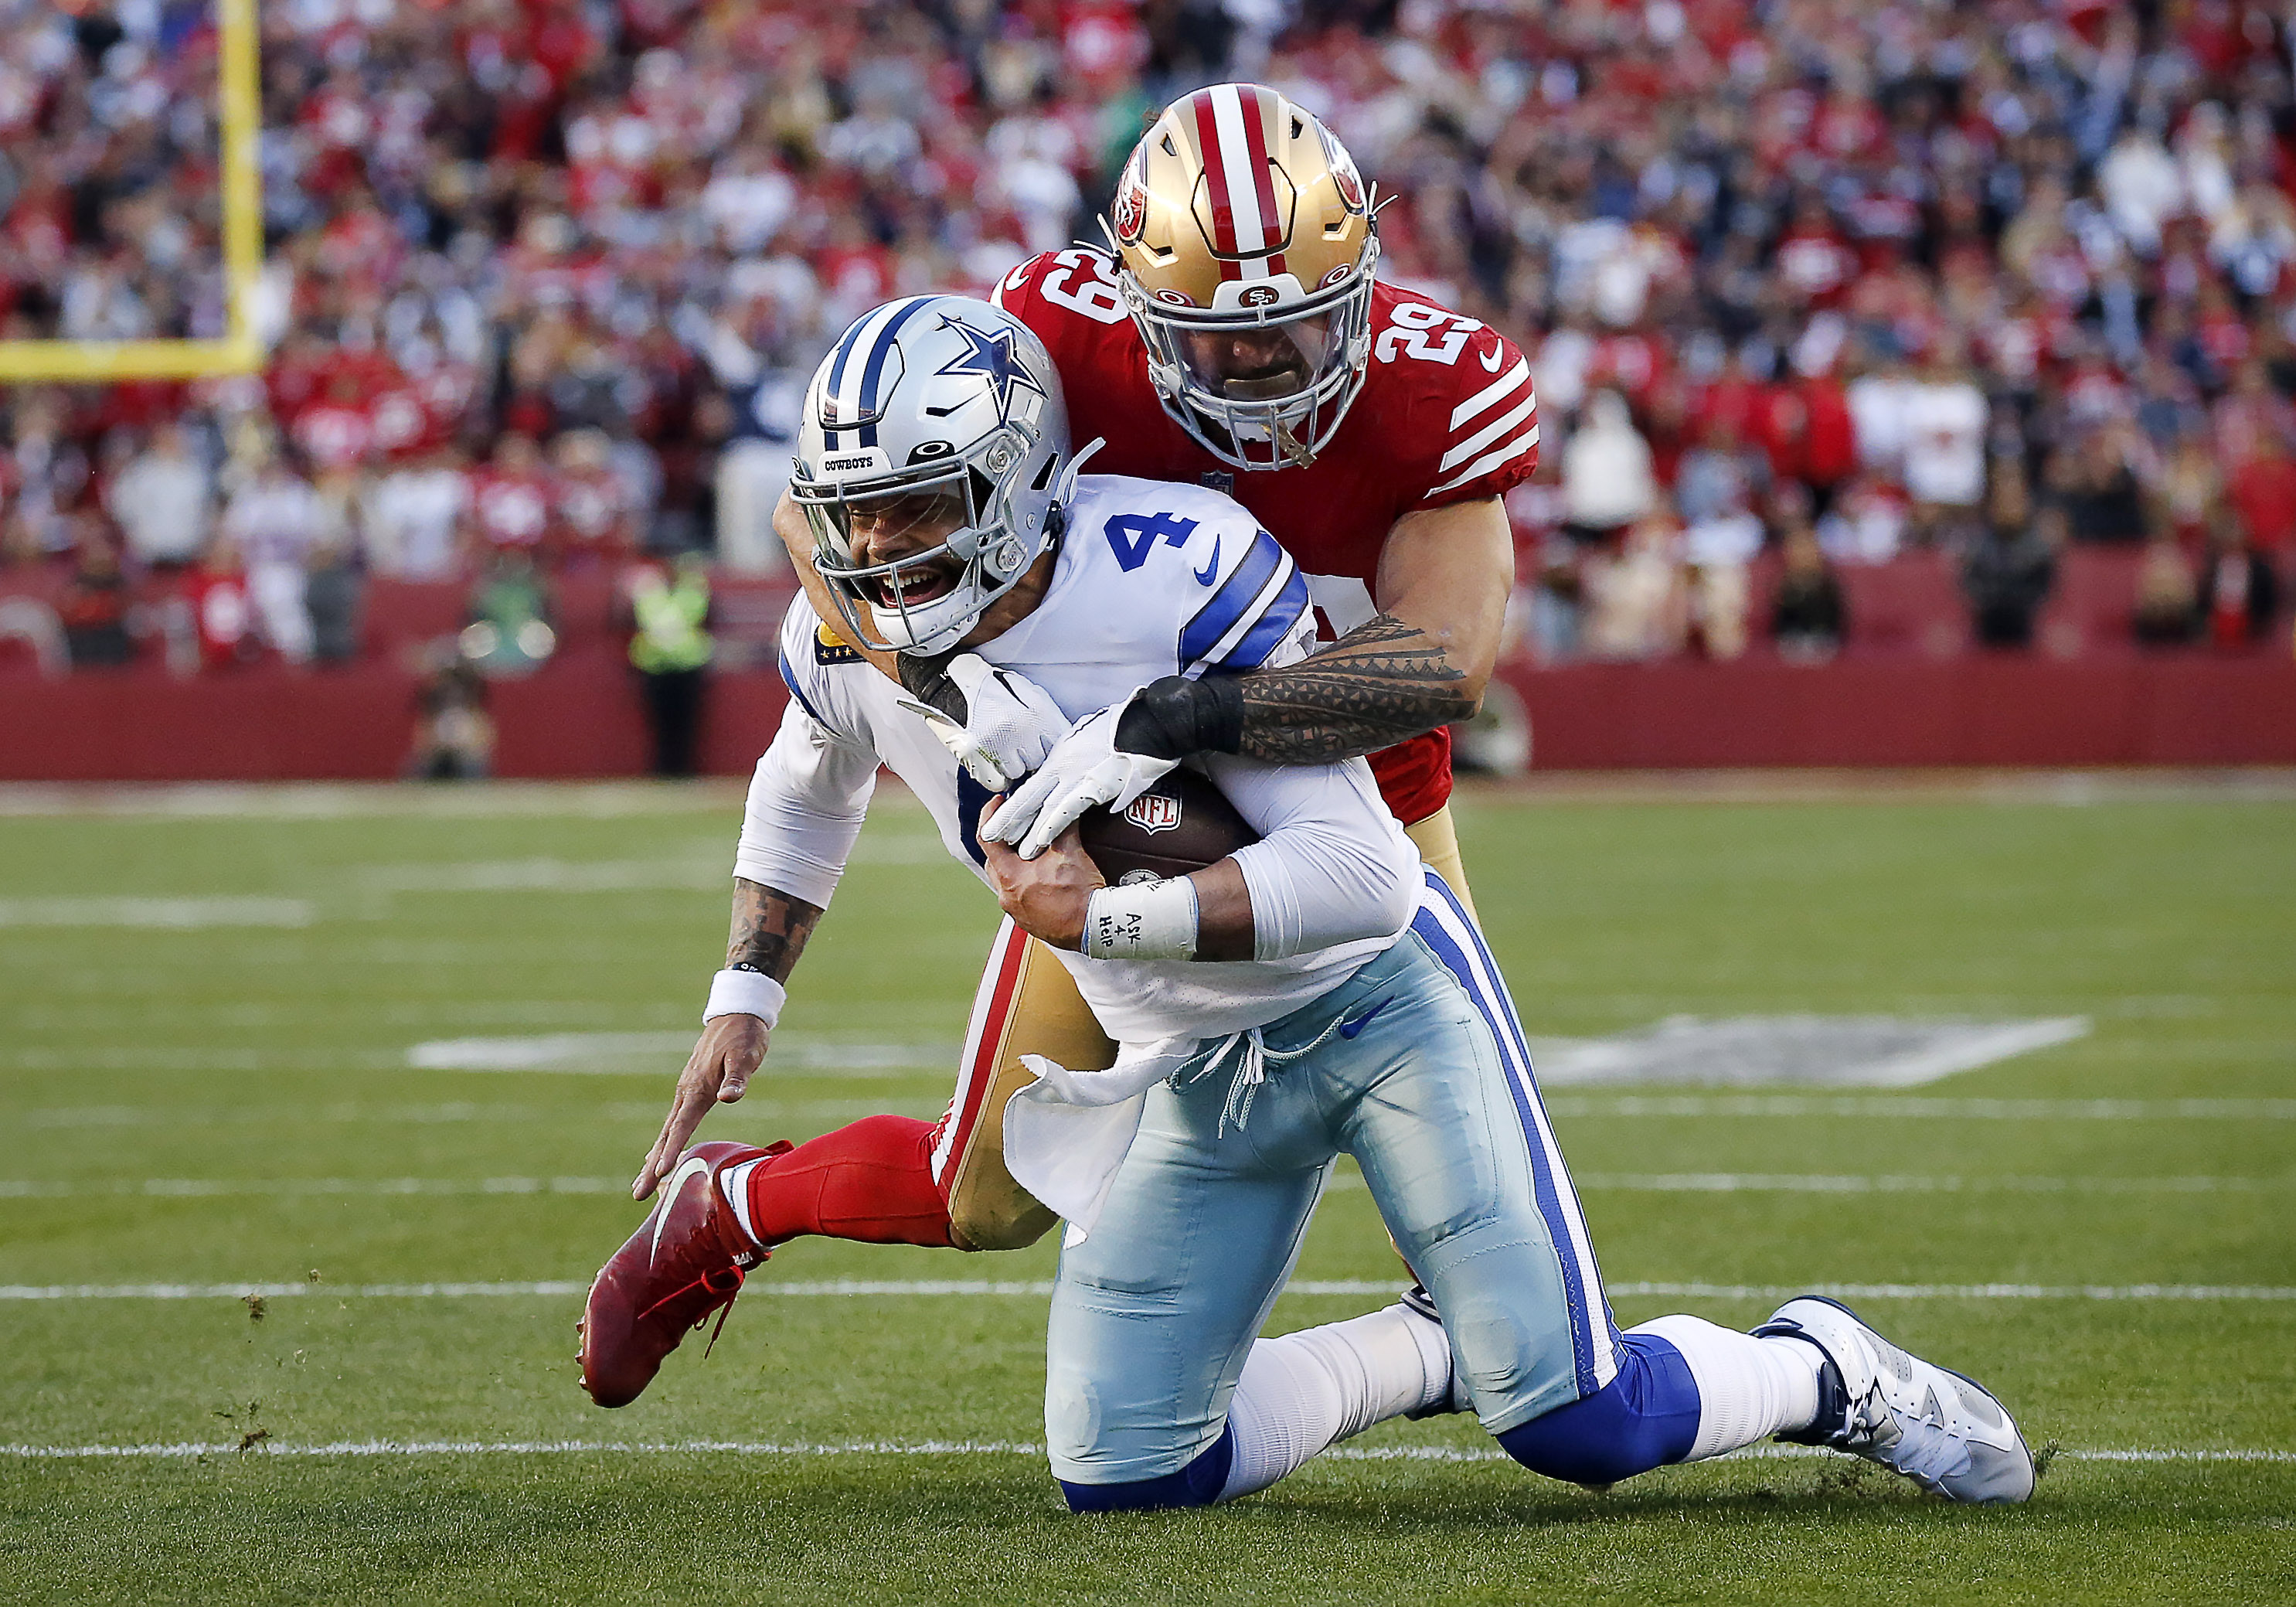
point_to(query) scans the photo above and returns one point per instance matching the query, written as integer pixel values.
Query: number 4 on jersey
(1131, 535)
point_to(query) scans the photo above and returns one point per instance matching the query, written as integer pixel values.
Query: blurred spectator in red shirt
(510, 497)
(222, 612)
(2263, 492)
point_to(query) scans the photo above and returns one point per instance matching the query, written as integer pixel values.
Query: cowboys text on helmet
(932, 461)
(1247, 252)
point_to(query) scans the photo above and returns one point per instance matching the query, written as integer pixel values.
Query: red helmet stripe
(1255, 143)
(1216, 177)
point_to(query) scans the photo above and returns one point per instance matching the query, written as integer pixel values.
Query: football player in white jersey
(1317, 991)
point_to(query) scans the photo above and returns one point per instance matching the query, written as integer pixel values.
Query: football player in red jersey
(1237, 336)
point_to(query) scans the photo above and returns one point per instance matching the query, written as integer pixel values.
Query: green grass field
(230, 1102)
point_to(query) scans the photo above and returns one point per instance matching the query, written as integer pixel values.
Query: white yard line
(164, 915)
(451, 1111)
(1802, 1182)
(1038, 1288)
(188, 1450)
(325, 800)
(1897, 1107)
(608, 1053)
(1795, 1183)
(1678, 1183)
(1630, 1106)
(216, 1188)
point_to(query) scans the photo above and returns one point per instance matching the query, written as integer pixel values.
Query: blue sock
(1198, 1484)
(1645, 1417)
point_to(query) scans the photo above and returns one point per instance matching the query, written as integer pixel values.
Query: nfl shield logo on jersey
(1154, 812)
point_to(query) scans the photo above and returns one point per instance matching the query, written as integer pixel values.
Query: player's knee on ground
(1645, 1417)
(1198, 1484)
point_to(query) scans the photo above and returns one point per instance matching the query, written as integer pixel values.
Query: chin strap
(1064, 488)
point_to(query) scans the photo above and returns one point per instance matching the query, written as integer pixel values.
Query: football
(1181, 824)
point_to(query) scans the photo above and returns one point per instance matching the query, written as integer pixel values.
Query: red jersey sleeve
(1069, 299)
(1472, 429)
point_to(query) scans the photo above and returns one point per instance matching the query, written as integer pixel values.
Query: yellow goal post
(239, 115)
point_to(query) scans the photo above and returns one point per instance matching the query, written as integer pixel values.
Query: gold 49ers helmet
(1247, 249)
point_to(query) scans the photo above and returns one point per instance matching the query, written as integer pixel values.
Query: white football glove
(1011, 723)
(1085, 770)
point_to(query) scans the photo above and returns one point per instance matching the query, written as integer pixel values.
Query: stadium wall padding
(580, 717)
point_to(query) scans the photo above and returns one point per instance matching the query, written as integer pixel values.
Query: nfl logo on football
(1154, 812)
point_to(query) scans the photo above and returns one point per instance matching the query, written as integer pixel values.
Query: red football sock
(872, 1181)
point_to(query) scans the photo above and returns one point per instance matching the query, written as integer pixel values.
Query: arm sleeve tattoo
(1382, 683)
(769, 929)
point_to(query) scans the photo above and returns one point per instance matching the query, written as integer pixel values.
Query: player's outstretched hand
(717, 1072)
(1085, 770)
(1046, 896)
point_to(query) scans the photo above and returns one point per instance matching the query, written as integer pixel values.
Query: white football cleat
(1947, 1433)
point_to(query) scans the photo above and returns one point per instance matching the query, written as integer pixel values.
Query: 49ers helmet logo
(1154, 812)
(1258, 295)
(1345, 179)
(1127, 215)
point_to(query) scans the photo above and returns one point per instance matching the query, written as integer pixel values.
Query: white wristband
(745, 993)
(1148, 920)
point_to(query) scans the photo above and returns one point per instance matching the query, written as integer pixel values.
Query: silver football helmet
(941, 413)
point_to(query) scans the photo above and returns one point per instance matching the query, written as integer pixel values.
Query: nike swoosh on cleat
(693, 1163)
(1347, 1030)
(1204, 575)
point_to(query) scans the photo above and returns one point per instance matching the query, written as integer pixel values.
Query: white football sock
(734, 1184)
(1306, 1391)
(1749, 1389)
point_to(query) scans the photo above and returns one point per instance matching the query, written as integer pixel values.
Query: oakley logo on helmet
(927, 451)
(1154, 812)
(1170, 297)
(1335, 276)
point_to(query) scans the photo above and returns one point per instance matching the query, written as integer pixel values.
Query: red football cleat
(687, 1259)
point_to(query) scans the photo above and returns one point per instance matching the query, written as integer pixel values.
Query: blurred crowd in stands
(1814, 289)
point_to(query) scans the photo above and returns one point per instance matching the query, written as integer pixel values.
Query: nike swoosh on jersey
(1347, 1030)
(691, 1163)
(1205, 576)
(1492, 360)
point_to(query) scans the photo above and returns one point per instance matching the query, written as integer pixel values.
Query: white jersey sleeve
(811, 789)
(1332, 867)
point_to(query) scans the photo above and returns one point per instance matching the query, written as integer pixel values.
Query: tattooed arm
(770, 929)
(1421, 662)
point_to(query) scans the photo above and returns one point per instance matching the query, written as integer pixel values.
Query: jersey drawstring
(1251, 1057)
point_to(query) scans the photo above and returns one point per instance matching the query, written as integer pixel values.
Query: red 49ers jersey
(1446, 415)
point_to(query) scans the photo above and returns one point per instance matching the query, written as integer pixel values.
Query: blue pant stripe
(1606, 1343)
(1430, 929)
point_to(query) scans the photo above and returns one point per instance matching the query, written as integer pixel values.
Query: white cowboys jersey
(1151, 579)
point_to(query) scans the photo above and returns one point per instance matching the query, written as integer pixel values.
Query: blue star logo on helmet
(992, 357)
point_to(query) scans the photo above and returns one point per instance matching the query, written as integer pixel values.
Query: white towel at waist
(1067, 1133)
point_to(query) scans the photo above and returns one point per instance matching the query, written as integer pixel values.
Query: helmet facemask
(937, 585)
(1254, 419)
